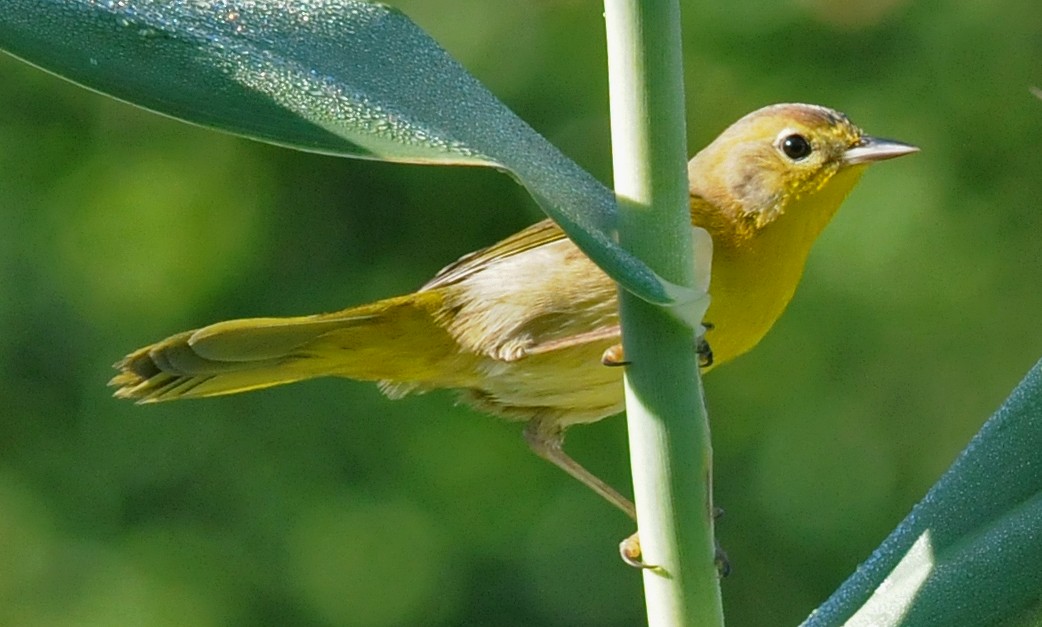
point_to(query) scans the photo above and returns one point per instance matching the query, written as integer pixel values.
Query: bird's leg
(629, 549)
(550, 448)
(545, 437)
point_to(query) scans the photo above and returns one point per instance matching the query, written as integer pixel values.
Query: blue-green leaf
(344, 77)
(970, 553)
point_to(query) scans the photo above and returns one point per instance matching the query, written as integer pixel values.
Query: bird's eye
(796, 147)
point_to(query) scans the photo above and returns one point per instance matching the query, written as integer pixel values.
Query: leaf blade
(343, 77)
(983, 524)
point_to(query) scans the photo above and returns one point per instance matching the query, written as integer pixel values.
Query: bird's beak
(871, 149)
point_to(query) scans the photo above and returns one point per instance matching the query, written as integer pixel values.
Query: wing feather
(539, 234)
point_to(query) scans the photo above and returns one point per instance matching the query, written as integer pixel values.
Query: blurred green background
(326, 504)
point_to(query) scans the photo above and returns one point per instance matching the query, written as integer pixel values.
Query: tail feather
(269, 338)
(396, 341)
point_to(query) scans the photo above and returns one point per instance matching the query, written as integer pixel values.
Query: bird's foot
(614, 357)
(629, 551)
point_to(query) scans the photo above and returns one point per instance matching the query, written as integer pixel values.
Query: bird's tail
(397, 341)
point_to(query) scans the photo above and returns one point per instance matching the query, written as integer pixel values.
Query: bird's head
(780, 159)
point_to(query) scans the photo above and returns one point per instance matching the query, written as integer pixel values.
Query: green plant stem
(668, 427)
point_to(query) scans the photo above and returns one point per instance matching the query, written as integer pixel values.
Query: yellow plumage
(519, 328)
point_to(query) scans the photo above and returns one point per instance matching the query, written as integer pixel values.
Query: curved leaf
(970, 551)
(344, 77)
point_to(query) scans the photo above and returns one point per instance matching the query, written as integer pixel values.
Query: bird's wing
(538, 234)
(594, 336)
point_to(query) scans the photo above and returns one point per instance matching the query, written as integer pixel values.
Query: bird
(521, 328)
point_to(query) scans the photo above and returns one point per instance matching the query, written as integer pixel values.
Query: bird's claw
(705, 353)
(723, 565)
(629, 551)
(614, 357)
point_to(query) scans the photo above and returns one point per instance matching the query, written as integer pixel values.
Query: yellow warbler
(519, 328)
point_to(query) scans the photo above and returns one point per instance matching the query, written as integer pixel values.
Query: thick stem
(669, 432)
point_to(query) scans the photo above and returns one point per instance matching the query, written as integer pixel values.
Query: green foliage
(345, 77)
(917, 311)
(968, 553)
